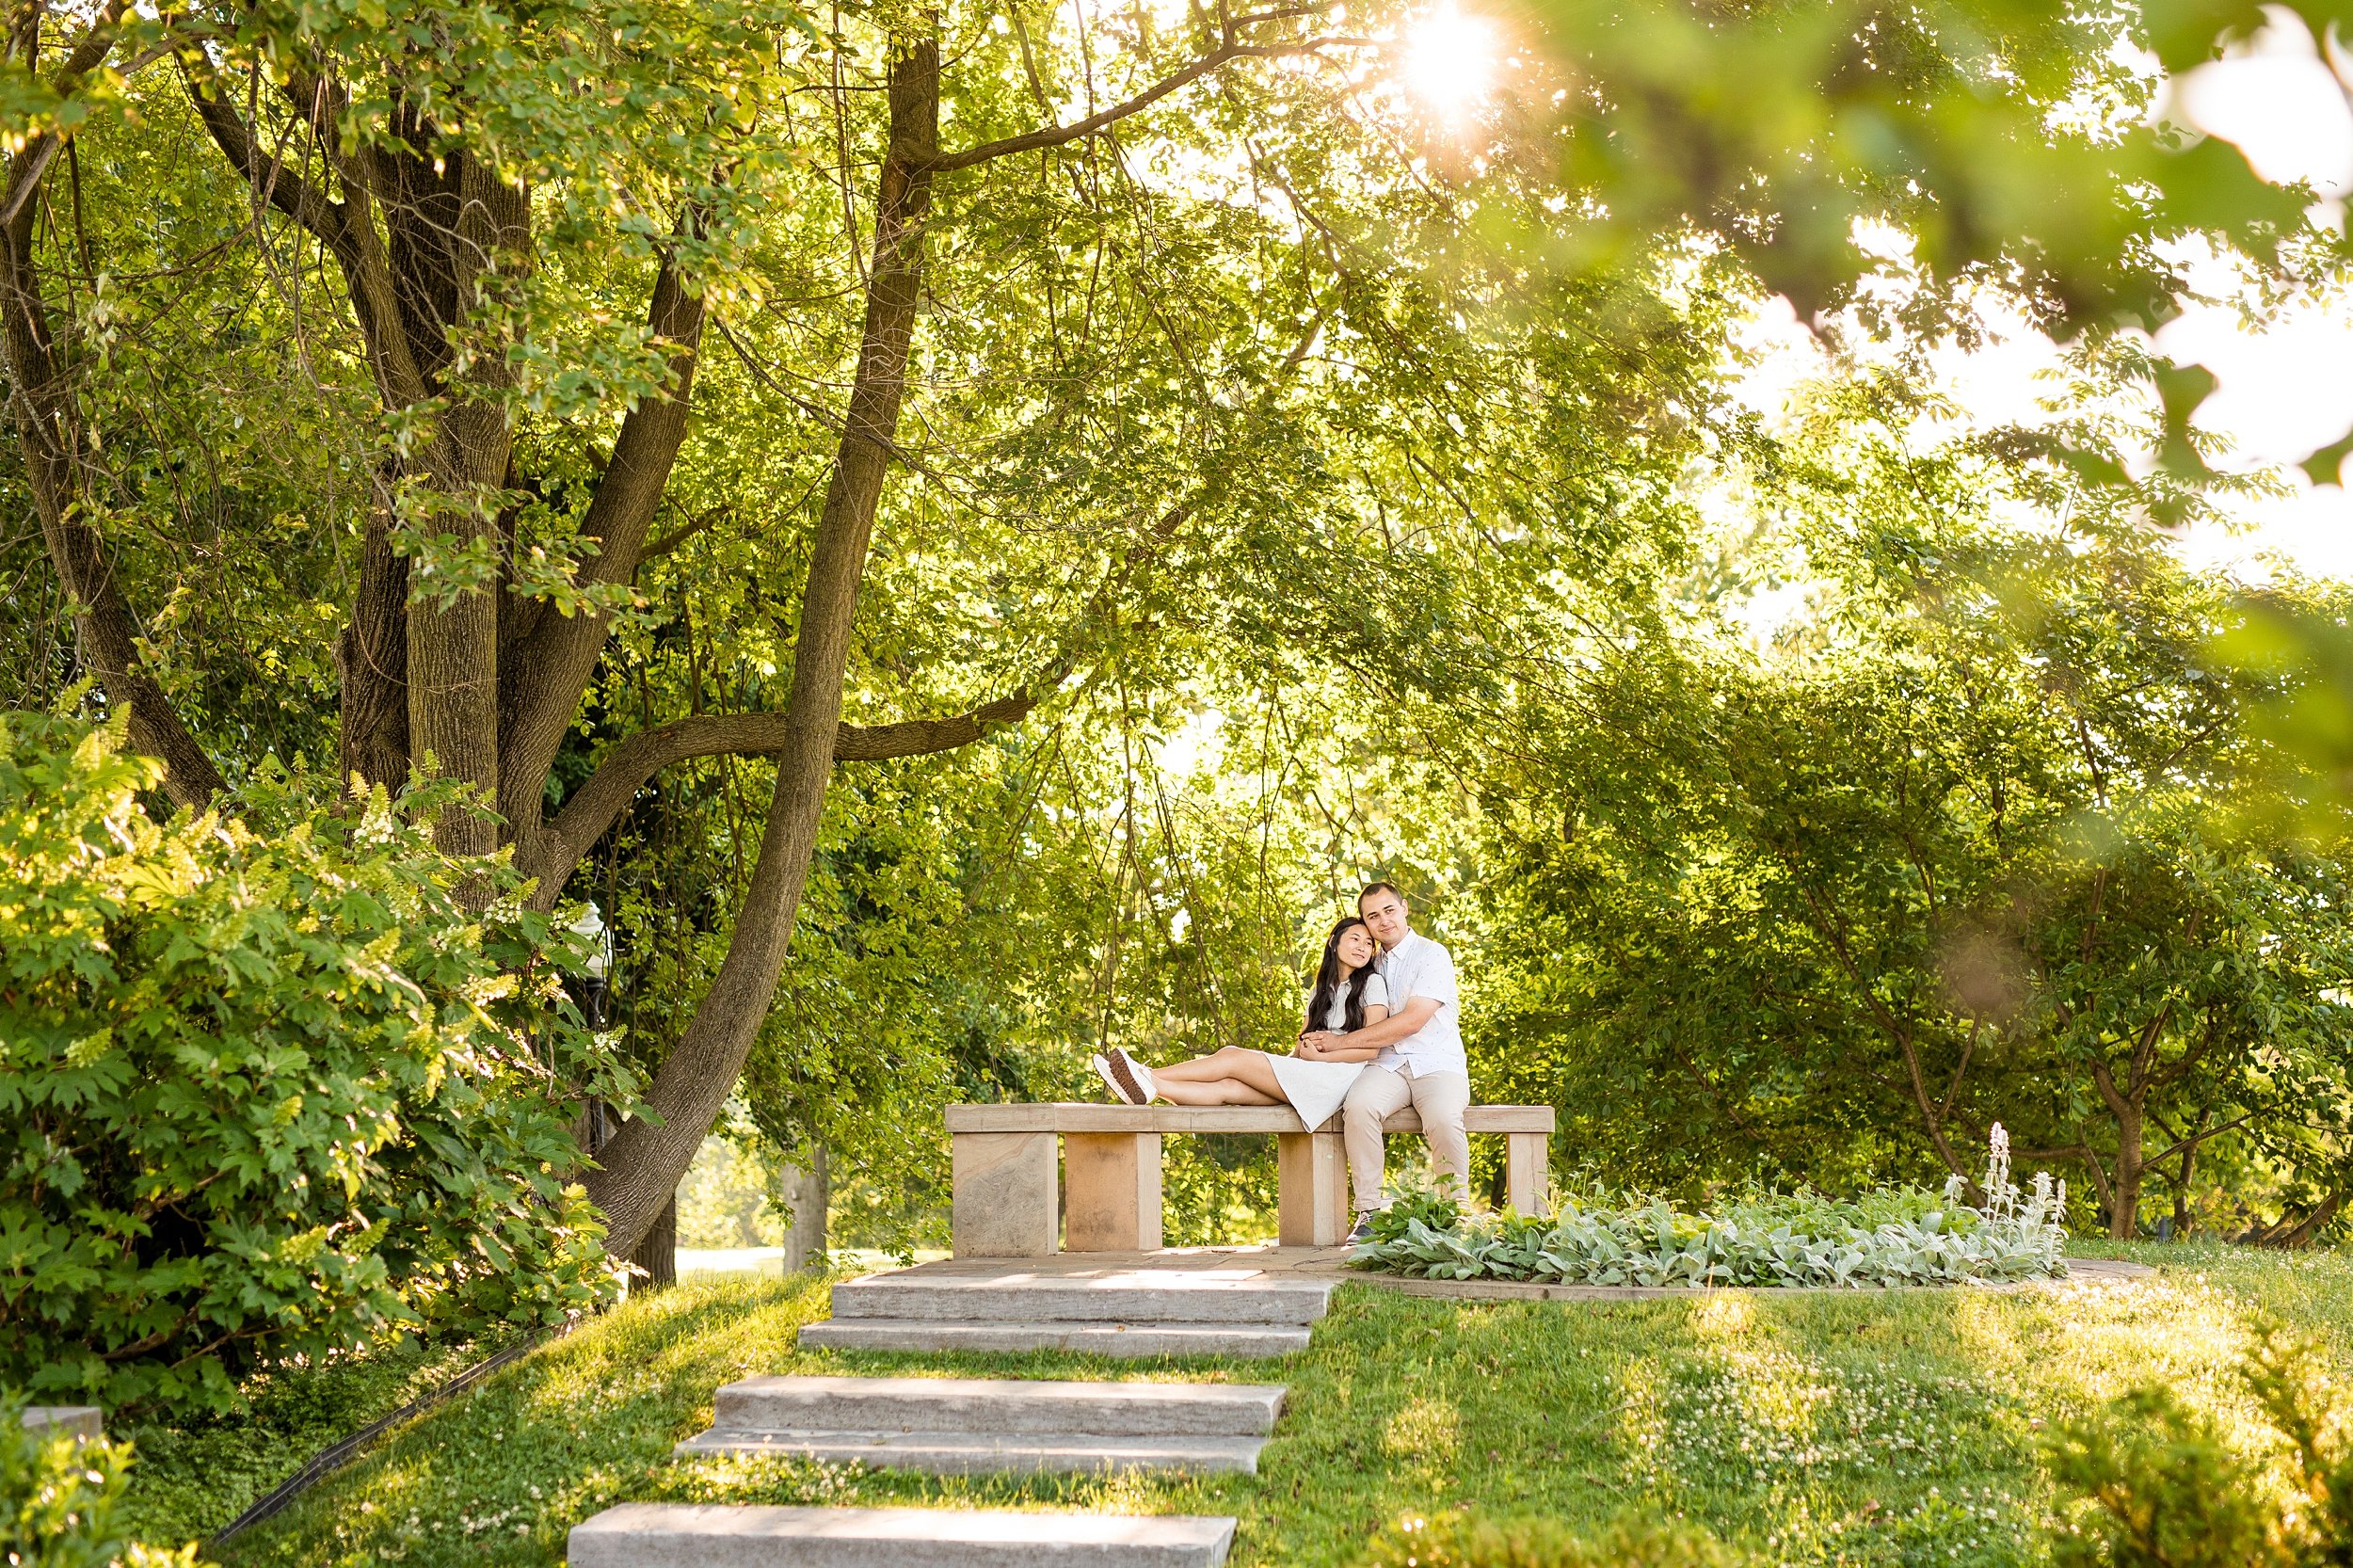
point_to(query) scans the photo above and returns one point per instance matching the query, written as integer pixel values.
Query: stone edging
(2080, 1271)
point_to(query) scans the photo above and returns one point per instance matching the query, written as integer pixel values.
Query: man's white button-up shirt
(1419, 967)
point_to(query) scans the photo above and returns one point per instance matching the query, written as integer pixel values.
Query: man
(1420, 1061)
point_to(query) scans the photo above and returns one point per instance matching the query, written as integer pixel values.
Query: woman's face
(1355, 947)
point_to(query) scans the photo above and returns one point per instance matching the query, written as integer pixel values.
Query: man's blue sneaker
(1363, 1232)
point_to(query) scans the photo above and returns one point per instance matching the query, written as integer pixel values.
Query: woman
(1347, 996)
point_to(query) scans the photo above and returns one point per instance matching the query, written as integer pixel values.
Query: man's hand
(1313, 1044)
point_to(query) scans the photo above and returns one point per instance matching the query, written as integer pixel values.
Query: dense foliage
(1993, 833)
(2151, 1480)
(61, 1500)
(268, 1090)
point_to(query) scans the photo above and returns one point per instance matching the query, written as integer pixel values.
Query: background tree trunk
(806, 1192)
(2126, 1180)
(657, 1251)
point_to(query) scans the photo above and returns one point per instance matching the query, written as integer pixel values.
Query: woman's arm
(1344, 1046)
(1398, 1024)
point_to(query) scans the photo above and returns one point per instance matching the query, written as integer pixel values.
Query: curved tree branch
(346, 228)
(595, 806)
(552, 658)
(1055, 135)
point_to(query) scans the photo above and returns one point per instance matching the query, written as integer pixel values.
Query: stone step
(997, 1406)
(707, 1535)
(1141, 1296)
(1098, 1339)
(969, 1453)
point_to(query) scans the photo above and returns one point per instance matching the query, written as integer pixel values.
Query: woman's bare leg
(1252, 1068)
(1206, 1069)
(1221, 1091)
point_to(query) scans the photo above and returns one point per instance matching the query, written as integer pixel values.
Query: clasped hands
(1315, 1045)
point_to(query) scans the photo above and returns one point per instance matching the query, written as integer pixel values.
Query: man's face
(1385, 913)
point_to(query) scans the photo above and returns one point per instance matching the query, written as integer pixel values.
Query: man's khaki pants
(1438, 1098)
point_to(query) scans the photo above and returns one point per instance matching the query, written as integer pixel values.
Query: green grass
(193, 1480)
(1819, 1429)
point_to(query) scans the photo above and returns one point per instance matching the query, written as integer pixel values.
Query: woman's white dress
(1315, 1088)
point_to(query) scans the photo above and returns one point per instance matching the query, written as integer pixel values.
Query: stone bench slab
(65, 1421)
(1009, 1200)
(1075, 1116)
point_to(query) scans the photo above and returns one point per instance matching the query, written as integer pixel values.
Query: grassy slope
(1816, 1429)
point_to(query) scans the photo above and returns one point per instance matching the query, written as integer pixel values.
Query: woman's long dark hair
(1328, 982)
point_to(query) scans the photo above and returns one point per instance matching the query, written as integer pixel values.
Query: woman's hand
(1313, 1045)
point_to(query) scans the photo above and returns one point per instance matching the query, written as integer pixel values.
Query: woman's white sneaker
(1131, 1077)
(1110, 1082)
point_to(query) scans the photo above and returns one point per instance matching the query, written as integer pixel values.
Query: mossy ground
(1806, 1429)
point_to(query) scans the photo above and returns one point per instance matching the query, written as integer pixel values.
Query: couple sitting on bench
(1383, 1030)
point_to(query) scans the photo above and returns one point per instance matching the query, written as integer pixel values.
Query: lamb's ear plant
(2151, 1482)
(1889, 1236)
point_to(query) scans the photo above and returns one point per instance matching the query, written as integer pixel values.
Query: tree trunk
(454, 638)
(657, 1252)
(50, 434)
(372, 658)
(644, 1162)
(806, 1192)
(2125, 1180)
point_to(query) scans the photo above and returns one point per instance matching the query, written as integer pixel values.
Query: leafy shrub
(1891, 1236)
(267, 1088)
(2149, 1482)
(59, 1498)
(1414, 1542)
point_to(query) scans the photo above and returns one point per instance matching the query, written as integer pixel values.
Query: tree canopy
(815, 475)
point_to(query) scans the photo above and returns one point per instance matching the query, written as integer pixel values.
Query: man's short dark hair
(1373, 887)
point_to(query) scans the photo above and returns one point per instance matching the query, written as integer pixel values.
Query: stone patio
(1238, 1266)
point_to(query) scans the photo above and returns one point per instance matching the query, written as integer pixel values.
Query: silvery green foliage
(1890, 1236)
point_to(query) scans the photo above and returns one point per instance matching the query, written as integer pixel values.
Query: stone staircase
(1108, 1310)
(1142, 1304)
(981, 1426)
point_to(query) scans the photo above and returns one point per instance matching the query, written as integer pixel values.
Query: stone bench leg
(1527, 1166)
(1114, 1185)
(1003, 1203)
(1312, 1171)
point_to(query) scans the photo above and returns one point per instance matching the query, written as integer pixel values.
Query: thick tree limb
(644, 1161)
(2297, 1230)
(597, 804)
(549, 664)
(346, 228)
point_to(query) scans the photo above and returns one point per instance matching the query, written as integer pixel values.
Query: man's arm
(1369, 1040)
(1310, 1051)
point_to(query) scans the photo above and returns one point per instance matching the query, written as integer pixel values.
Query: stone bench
(1006, 1171)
